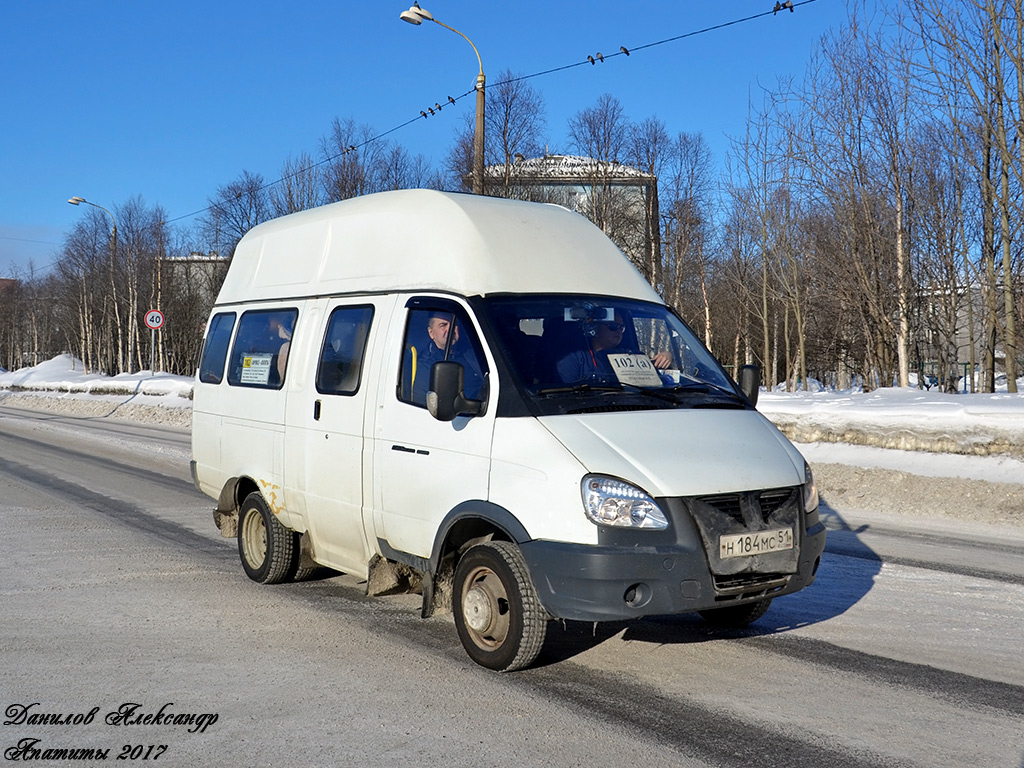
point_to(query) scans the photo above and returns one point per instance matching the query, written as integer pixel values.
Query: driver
(439, 325)
(591, 363)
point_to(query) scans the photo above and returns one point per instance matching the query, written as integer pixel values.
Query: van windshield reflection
(605, 346)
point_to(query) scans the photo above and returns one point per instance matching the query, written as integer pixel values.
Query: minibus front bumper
(581, 582)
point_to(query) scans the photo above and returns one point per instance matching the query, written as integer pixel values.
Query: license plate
(756, 543)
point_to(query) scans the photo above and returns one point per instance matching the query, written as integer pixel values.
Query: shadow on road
(847, 573)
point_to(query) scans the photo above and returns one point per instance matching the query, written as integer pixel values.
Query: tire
(267, 549)
(736, 616)
(498, 616)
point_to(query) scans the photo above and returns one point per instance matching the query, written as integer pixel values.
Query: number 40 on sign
(155, 319)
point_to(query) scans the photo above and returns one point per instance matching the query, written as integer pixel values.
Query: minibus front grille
(771, 501)
(766, 503)
(729, 505)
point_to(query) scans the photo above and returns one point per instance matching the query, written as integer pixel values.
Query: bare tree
(849, 174)
(236, 208)
(686, 191)
(142, 236)
(888, 84)
(301, 186)
(759, 182)
(345, 174)
(600, 134)
(965, 70)
(650, 150)
(514, 115)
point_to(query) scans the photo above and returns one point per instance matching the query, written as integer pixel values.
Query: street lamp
(79, 200)
(113, 263)
(113, 241)
(416, 15)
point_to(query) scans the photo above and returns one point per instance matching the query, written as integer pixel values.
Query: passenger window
(260, 353)
(341, 357)
(211, 364)
(427, 342)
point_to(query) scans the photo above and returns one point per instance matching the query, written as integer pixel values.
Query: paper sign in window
(637, 370)
(256, 369)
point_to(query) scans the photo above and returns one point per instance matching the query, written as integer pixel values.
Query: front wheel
(267, 549)
(736, 616)
(498, 616)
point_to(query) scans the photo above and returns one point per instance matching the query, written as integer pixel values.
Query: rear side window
(341, 357)
(260, 353)
(211, 365)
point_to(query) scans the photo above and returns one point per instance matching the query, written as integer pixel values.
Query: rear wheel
(267, 549)
(498, 616)
(736, 616)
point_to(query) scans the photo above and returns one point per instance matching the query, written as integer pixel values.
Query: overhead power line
(591, 59)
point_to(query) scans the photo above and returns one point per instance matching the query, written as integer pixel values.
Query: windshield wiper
(666, 394)
(699, 388)
(660, 393)
(707, 388)
(577, 388)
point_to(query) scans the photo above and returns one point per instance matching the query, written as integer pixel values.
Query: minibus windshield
(596, 345)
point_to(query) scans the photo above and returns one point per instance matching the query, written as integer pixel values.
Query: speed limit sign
(155, 319)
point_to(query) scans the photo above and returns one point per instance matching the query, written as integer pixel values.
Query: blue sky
(115, 99)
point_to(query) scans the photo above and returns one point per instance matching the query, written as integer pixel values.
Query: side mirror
(445, 399)
(750, 381)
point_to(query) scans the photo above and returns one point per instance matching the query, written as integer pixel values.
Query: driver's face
(609, 335)
(437, 330)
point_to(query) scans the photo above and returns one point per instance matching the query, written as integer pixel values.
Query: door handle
(404, 449)
(316, 411)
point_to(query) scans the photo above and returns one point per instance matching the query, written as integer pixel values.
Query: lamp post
(79, 200)
(113, 263)
(416, 15)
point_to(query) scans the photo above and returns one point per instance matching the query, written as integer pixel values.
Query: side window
(211, 364)
(341, 357)
(440, 333)
(260, 353)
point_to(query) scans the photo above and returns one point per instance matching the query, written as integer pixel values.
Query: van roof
(420, 239)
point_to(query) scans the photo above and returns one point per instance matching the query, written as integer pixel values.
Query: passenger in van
(439, 324)
(281, 330)
(339, 361)
(266, 336)
(591, 363)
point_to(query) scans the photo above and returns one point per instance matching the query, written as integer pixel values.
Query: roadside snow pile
(905, 419)
(61, 385)
(67, 374)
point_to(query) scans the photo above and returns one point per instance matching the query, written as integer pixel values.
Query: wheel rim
(485, 608)
(254, 538)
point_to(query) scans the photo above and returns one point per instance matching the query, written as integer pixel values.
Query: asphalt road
(120, 602)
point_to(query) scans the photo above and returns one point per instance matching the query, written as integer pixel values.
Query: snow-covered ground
(65, 375)
(62, 385)
(897, 447)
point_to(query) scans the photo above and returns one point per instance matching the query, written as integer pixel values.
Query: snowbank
(62, 385)
(906, 419)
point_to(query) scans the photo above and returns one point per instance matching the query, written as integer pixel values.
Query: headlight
(612, 502)
(810, 490)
